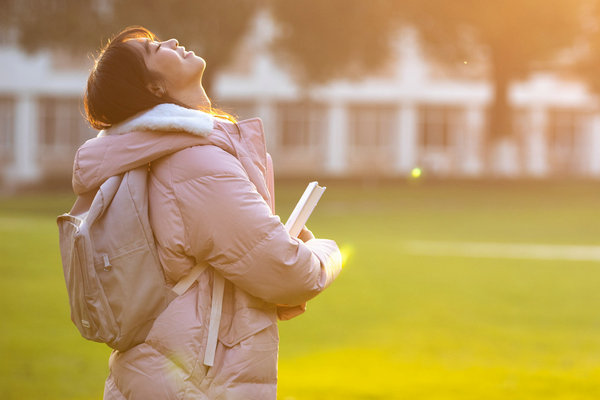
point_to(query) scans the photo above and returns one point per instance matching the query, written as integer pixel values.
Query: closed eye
(158, 47)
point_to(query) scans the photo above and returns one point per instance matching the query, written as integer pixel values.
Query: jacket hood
(148, 136)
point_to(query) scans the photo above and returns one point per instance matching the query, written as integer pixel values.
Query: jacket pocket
(246, 323)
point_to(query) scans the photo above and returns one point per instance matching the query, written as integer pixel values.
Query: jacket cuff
(330, 258)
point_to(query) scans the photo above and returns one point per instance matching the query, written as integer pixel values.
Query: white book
(304, 208)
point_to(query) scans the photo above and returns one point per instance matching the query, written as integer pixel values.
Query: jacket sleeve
(229, 225)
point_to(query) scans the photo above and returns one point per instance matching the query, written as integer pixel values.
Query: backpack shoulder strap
(215, 318)
(184, 283)
(215, 310)
(103, 197)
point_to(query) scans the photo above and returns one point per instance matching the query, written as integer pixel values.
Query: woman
(210, 201)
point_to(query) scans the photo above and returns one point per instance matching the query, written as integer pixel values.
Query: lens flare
(347, 251)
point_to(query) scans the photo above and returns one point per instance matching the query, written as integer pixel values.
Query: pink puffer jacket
(210, 200)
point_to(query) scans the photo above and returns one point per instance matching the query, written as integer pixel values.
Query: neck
(193, 97)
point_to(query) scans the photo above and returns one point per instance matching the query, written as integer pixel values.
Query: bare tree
(327, 39)
(211, 27)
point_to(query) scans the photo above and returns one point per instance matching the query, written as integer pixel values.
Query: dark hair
(118, 86)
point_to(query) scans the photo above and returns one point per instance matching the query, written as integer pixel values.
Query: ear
(157, 89)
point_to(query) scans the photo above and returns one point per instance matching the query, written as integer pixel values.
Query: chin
(197, 58)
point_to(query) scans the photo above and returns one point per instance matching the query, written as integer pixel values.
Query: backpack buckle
(107, 265)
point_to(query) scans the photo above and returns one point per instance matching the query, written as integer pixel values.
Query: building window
(442, 129)
(565, 130)
(372, 126)
(438, 125)
(62, 124)
(7, 128)
(520, 123)
(301, 125)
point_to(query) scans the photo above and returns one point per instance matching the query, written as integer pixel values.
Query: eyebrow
(147, 46)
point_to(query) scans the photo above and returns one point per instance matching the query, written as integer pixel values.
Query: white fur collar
(166, 117)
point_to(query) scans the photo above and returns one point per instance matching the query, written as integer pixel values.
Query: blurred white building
(409, 115)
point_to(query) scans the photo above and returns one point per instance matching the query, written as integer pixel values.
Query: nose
(173, 43)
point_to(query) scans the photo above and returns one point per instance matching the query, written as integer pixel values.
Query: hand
(305, 234)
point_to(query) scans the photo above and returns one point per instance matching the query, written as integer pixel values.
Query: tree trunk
(500, 113)
(501, 150)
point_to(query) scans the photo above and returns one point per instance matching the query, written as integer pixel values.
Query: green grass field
(395, 325)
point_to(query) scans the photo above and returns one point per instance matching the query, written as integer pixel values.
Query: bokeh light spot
(416, 172)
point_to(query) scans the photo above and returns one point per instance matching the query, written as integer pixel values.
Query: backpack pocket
(90, 311)
(135, 300)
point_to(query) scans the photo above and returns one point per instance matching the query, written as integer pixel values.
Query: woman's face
(179, 68)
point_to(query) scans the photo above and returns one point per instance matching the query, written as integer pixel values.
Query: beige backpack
(115, 282)
(113, 275)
